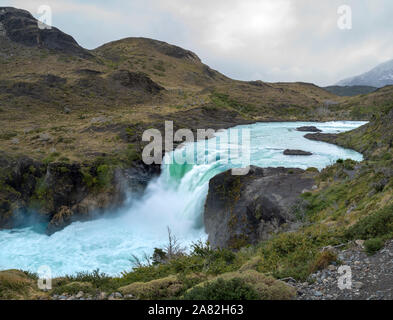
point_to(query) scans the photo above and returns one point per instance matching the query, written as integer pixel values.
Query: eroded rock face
(136, 81)
(246, 209)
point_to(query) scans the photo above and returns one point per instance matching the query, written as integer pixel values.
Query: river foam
(175, 199)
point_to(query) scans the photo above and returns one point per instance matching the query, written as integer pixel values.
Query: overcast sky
(269, 40)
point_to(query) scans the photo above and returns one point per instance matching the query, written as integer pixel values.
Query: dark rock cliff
(246, 209)
(60, 193)
(21, 27)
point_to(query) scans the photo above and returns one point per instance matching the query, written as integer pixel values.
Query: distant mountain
(380, 76)
(349, 91)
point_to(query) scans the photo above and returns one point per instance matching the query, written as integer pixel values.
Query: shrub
(373, 245)
(293, 254)
(349, 164)
(377, 225)
(234, 289)
(312, 170)
(96, 278)
(88, 179)
(7, 135)
(105, 175)
(168, 287)
(51, 158)
(15, 284)
(322, 260)
(248, 285)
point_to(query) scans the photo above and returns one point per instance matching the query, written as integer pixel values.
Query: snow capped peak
(380, 76)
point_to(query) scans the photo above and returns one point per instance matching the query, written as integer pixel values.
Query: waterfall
(174, 199)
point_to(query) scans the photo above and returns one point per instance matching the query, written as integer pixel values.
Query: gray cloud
(271, 40)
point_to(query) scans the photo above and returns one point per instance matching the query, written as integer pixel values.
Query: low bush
(296, 254)
(234, 289)
(376, 225)
(96, 278)
(373, 245)
(169, 287)
(250, 285)
(322, 260)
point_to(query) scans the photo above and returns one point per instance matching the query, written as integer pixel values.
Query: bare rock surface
(21, 27)
(372, 276)
(246, 209)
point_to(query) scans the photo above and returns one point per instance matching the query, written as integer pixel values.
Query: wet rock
(250, 208)
(324, 137)
(289, 152)
(60, 220)
(308, 129)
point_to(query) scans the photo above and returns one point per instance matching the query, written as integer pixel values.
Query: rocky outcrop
(324, 137)
(308, 129)
(21, 27)
(137, 81)
(289, 152)
(60, 193)
(246, 209)
(172, 51)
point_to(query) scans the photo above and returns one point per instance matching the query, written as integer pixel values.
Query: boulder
(241, 210)
(308, 129)
(289, 152)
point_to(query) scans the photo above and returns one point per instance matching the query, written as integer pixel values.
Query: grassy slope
(32, 103)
